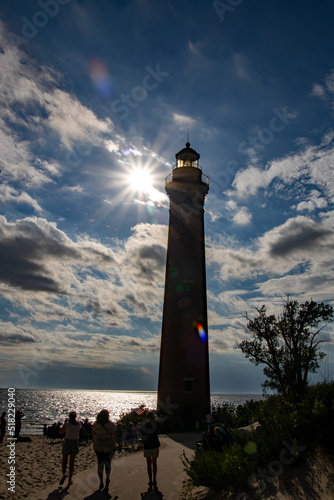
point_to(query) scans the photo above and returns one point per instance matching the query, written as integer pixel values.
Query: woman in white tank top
(71, 428)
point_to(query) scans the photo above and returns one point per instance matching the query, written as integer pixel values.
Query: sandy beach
(38, 471)
(37, 465)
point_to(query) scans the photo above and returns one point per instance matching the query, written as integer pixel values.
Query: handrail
(204, 178)
(199, 166)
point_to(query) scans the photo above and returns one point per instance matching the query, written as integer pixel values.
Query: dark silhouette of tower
(184, 357)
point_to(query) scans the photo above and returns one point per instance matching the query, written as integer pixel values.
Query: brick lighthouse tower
(184, 356)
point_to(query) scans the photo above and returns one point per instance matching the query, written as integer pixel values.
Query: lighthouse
(184, 384)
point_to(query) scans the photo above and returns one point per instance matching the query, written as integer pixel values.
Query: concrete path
(129, 475)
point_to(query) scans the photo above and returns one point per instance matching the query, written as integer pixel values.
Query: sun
(140, 180)
(134, 185)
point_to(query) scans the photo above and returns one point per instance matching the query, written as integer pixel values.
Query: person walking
(151, 444)
(71, 428)
(105, 442)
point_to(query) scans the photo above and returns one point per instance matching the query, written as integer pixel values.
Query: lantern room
(187, 157)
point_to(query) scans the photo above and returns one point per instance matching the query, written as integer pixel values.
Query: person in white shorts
(71, 428)
(151, 444)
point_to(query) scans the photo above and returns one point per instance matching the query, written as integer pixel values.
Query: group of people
(215, 438)
(53, 431)
(106, 440)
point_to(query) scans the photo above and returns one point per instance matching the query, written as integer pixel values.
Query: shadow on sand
(152, 494)
(59, 493)
(101, 495)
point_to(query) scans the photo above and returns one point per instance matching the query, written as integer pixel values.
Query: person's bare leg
(108, 471)
(71, 468)
(100, 473)
(64, 464)
(149, 469)
(63, 468)
(155, 469)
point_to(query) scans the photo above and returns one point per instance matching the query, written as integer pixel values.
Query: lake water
(46, 406)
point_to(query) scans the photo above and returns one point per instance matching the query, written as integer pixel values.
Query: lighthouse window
(188, 200)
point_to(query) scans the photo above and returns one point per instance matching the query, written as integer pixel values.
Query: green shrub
(224, 413)
(219, 471)
(307, 421)
(237, 416)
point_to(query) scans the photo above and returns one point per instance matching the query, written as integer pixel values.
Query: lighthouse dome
(187, 157)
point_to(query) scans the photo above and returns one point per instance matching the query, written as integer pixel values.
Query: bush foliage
(306, 424)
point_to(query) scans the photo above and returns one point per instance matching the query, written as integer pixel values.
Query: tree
(287, 345)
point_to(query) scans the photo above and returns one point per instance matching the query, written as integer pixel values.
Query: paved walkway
(129, 476)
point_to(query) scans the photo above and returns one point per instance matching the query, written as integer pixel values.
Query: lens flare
(251, 448)
(100, 76)
(202, 333)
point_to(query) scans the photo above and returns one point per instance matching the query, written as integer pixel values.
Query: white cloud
(298, 252)
(329, 82)
(9, 194)
(72, 121)
(73, 189)
(313, 166)
(319, 91)
(247, 182)
(243, 217)
(183, 120)
(214, 215)
(49, 117)
(197, 61)
(70, 345)
(17, 159)
(324, 91)
(315, 200)
(51, 277)
(241, 67)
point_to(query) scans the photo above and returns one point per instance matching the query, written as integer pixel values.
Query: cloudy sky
(96, 99)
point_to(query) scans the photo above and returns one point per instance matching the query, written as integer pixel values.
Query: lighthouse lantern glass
(187, 163)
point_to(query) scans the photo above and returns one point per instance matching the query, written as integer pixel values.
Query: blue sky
(96, 99)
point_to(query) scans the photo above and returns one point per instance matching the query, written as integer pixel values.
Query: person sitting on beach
(131, 436)
(71, 428)
(211, 441)
(3, 424)
(225, 435)
(53, 430)
(151, 444)
(87, 430)
(120, 430)
(105, 439)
